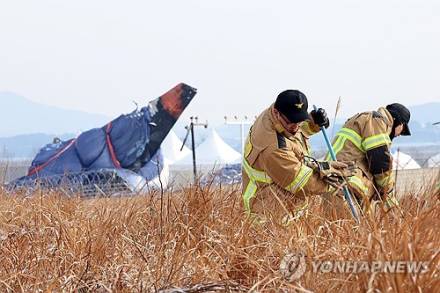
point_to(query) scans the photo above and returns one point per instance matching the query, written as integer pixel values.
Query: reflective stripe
(247, 148)
(300, 180)
(339, 144)
(391, 201)
(375, 141)
(359, 184)
(256, 175)
(307, 130)
(352, 136)
(249, 193)
(337, 147)
(384, 181)
(259, 176)
(363, 145)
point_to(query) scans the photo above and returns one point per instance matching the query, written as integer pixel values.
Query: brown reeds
(197, 240)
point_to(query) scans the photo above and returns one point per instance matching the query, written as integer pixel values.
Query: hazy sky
(98, 56)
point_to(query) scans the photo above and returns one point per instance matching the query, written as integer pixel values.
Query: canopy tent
(171, 148)
(434, 161)
(402, 161)
(213, 151)
(160, 181)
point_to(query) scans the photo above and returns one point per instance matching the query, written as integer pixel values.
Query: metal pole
(397, 168)
(190, 129)
(242, 123)
(347, 194)
(193, 151)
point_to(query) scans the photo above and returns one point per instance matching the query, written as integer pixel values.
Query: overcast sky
(98, 56)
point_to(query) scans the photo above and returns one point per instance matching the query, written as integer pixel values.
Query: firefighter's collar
(277, 125)
(389, 119)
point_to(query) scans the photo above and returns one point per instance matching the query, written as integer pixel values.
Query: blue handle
(347, 194)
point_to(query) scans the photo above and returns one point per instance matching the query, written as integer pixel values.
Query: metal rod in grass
(395, 180)
(397, 169)
(338, 107)
(161, 198)
(347, 194)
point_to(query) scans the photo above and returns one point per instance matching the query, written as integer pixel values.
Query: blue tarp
(118, 144)
(125, 152)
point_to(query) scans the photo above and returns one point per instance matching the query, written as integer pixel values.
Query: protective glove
(336, 169)
(389, 199)
(334, 172)
(320, 118)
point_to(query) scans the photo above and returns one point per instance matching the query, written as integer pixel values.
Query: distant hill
(22, 116)
(423, 132)
(422, 117)
(21, 138)
(26, 145)
(426, 113)
(427, 134)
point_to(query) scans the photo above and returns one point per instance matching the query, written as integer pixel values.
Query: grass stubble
(197, 240)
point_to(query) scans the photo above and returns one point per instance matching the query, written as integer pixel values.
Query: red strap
(54, 157)
(59, 153)
(110, 147)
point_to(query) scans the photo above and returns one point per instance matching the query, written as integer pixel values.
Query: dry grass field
(198, 240)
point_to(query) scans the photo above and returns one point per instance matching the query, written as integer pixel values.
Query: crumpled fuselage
(125, 151)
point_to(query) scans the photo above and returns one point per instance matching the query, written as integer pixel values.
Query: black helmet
(292, 104)
(401, 115)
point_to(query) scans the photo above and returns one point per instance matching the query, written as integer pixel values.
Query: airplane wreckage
(123, 156)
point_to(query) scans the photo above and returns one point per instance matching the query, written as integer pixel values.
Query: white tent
(213, 151)
(402, 161)
(171, 148)
(160, 181)
(434, 161)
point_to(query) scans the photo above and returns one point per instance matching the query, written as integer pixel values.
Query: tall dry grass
(198, 239)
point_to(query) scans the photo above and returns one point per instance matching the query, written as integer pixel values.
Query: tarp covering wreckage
(122, 156)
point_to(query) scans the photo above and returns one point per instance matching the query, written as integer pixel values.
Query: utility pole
(242, 123)
(190, 129)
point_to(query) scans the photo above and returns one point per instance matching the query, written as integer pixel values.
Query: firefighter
(279, 173)
(366, 139)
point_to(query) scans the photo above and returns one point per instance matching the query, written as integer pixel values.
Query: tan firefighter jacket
(361, 135)
(274, 171)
